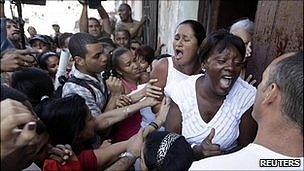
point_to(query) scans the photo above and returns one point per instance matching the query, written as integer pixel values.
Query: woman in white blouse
(213, 110)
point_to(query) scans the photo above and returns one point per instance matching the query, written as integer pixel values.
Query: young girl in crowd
(49, 61)
(126, 67)
(145, 57)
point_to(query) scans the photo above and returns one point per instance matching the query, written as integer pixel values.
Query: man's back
(252, 157)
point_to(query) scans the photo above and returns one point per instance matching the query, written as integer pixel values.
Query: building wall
(170, 14)
(278, 29)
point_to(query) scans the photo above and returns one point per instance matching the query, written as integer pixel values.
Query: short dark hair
(95, 19)
(288, 75)
(114, 61)
(127, 5)
(220, 40)
(62, 38)
(44, 57)
(78, 42)
(65, 118)
(147, 52)
(34, 83)
(198, 29)
(125, 31)
(178, 157)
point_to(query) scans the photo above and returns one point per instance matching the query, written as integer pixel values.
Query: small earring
(203, 70)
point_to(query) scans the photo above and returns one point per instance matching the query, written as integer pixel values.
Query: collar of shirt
(81, 75)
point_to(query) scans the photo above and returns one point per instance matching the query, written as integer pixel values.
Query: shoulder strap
(82, 83)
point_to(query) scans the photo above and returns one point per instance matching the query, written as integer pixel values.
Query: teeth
(227, 77)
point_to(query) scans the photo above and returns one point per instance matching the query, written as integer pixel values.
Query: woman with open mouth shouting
(216, 116)
(188, 36)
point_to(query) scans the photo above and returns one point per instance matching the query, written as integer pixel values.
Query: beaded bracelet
(153, 124)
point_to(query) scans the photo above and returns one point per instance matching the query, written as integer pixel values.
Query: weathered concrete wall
(170, 14)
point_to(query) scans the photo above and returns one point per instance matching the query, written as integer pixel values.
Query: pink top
(127, 128)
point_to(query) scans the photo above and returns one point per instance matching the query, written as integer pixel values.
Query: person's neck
(129, 20)
(131, 81)
(188, 69)
(283, 138)
(205, 90)
(85, 72)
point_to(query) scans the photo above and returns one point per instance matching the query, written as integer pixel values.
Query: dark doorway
(231, 11)
(217, 14)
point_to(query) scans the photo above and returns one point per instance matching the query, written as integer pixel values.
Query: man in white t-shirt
(278, 110)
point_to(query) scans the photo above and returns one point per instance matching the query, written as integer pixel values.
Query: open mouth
(179, 54)
(226, 81)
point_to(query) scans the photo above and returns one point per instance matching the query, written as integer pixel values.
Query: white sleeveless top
(225, 122)
(173, 77)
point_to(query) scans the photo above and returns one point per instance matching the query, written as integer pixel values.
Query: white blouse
(225, 122)
(174, 76)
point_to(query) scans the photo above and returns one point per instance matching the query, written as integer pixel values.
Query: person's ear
(272, 94)
(79, 60)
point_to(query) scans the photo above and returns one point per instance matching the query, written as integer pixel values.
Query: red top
(130, 126)
(86, 161)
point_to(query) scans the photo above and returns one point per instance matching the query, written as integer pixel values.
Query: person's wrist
(128, 154)
(2, 1)
(197, 152)
(154, 125)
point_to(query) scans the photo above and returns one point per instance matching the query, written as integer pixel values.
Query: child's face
(143, 65)
(52, 65)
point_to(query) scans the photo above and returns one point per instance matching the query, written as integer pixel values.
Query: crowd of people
(101, 99)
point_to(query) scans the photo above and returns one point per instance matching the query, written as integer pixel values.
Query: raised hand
(123, 100)
(135, 143)
(248, 50)
(159, 47)
(250, 80)
(150, 101)
(17, 59)
(62, 153)
(151, 90)
(207, 148)
(114, 84)
(162, 114)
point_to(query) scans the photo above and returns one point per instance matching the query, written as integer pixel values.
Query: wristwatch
(128, 155)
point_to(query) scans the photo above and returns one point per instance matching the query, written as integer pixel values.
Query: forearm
(105, 20)
(83, 22)
(111, 117)
(123, 163)
(150, 128)
(137, 95)
(107, 154)
(112, 102)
